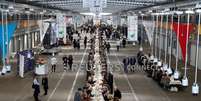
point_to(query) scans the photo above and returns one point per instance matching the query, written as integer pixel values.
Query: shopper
(118, 44)
(117, 94)
(108, 47)
(124, 42)
(78, 95)
(53, 63)
(74, 44)
(125, 63)
(78, 44)
(36, 87)
(45, 84)
(70, 61)
(85, 41)
(65, 62)
(139, 40)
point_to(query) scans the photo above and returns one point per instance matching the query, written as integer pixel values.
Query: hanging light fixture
(185, 79)
(195, 86)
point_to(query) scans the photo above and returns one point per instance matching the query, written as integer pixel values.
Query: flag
(183, 35)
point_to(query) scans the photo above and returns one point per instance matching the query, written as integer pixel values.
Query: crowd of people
(161, 73)
(86, 93)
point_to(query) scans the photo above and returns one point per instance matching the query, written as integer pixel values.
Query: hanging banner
(11, 30)
(149, 28)
(61, 21)
(132, 28)
(183, 36)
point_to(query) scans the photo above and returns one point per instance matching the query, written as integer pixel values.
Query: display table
(98, 78)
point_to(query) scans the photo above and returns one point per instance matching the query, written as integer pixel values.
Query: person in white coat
(53, 62)
(118, 44)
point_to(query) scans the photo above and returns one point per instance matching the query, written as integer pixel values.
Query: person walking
(108, 47)
(85, 41)
(139, 40)
(36, 87)
(65, 62)
(53, 62)
(118, 44)
(45, 84)
(74, 43)
(78, 44)
(70, 61)
(117, 94)
(125, 63)
(124, 42)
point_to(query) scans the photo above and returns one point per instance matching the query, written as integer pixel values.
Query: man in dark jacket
(117, 94)
(108, 47)
(45, 84)
(78, 94)
(70, 61)
(85, 41)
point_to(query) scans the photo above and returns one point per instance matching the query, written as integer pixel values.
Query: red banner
(183, 35)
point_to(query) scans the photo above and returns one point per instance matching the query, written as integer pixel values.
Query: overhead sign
(94, 3)
(96, 10)
(132, 28)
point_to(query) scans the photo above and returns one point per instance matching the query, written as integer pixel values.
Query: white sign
(132, 28)
(149, 28)
(41, 69)
(86, 3)
(61, 23)
(94, 3)
(96, 10)
(21, 69)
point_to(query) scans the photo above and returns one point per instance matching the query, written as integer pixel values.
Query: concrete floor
(62, 85)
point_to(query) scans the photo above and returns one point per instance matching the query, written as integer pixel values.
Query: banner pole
(166, 38)
(170, 54)
(156, 36)
(152, 43)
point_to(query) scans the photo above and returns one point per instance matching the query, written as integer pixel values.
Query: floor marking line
(133, 92)
(110, 68)
(74, 82)
(57, 85)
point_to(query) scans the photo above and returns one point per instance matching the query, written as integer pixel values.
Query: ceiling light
(198, 11)
(189, 11)
(179, 12)
(31, 9)
(10, 7)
